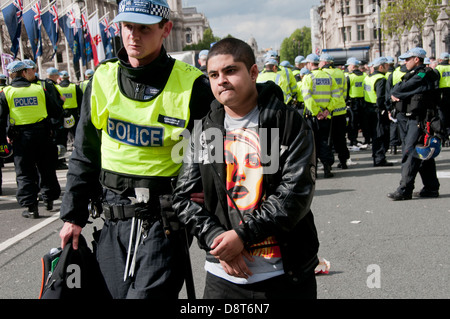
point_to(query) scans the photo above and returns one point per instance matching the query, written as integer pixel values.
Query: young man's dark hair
(240, 51)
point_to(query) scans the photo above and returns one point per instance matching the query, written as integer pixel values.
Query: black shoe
(426, 194)
(383, 164)
(327, 171)
(399, 196)
(342, 165)
(48, 204)
(31, 212)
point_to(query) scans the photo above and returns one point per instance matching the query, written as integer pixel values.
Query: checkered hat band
(151, 9)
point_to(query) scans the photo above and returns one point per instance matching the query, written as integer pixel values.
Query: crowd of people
(255, 225)
(37, 119)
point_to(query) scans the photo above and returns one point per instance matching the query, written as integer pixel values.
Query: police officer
(72, 102)
(355, 99)
(289, 86)
(320, 94)
(87, 76)
(339, 114)
(298, 67)
(416, 97)
(444, 87)
(396, 130)
(202, 56)
(300, 101)
(126, 155)
(271, 74)
(377, 115)
(28, 105)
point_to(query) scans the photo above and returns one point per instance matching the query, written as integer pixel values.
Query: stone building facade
(347, 28)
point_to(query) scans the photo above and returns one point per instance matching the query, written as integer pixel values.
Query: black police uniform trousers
(356, 119)
(411, 163)
(321, 130)
(338, 130)
(160, 263)
(378, 128)
(35, 164)
(444, 108)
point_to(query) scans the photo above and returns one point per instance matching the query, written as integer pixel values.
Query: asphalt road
(377, 248)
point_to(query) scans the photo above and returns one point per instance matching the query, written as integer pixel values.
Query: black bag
(72, 274)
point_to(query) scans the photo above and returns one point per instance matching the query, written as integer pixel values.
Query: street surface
(377, 248)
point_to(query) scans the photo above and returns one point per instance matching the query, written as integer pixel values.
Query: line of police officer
(327, 99)
(32, 124)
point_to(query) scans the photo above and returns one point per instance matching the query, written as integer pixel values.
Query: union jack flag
(54, 12)
(37, 9)
(105, 23)
(116, 28)
(72, 21)
(19, 5)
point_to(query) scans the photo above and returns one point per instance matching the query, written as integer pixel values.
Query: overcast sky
(268, 21)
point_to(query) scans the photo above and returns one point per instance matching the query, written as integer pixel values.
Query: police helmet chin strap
(142, 196)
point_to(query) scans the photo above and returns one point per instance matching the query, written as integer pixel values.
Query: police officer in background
(87, 76)
(135, 108)
(355, 100)
(320, 94)
(27, 106)
(73, 97)
(444, 87)
(339, 114)
(377, 115)
(416, 98)
(202, 56)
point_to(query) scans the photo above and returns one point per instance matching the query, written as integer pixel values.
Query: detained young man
(254, 158)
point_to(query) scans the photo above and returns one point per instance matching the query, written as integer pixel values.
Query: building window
(360, 29)
(375, 33)
(359, 6)
(347, 7)
(188, 35)
(346, 34)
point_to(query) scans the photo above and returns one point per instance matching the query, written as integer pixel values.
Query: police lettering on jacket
(136, 135)
(26, 101)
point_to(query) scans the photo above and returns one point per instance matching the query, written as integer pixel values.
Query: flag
(33, 23)
(68, 26)
(97, 44)
(13, 20)
(51, 25)
(105, 33)
(87, 39)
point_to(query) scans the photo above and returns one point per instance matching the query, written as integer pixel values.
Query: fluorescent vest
(268, 76)
(83, 85)
(397, 76)
(26, 105)
(370, 95)
(338, 75)
(444, 71)
(287, 83)
(318, 90)
(70, 93)
(356, 85)
(138, 137)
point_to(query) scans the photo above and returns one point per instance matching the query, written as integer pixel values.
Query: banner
(33, 23)
(51, 24)
(13, 15)
(97, 44)
(6, 59)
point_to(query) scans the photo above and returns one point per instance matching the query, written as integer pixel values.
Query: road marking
(28, 232)
(443, 174)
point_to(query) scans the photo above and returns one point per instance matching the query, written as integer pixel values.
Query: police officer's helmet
(430, 150)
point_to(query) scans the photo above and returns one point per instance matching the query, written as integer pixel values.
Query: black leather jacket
(286, 211)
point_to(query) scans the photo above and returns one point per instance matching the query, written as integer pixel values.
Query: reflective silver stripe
(340, 109)
(322, 100)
